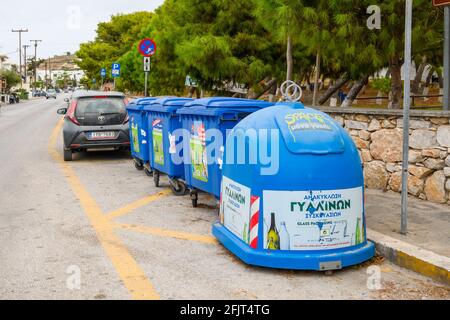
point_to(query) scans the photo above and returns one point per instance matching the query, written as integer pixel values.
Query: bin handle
(234, 118)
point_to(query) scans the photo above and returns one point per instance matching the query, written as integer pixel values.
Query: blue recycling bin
(301, 208)
(163, 121)
(139, 133)
(207, 122)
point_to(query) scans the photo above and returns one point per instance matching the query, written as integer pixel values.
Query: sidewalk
(426, 248)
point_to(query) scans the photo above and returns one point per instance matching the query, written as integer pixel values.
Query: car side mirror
(62, 111)
(66, 100)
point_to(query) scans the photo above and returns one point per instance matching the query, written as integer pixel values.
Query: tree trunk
(191, 92)
(273, 92)
(289, 59)
(354, 91)
(429, 77)
(415, 86)
(333, 88)
(316, 79)
(269, 85)
(396, 83)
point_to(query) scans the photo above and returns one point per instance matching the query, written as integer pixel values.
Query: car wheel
(68, 155)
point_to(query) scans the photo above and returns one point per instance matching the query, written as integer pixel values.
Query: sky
(61, 25)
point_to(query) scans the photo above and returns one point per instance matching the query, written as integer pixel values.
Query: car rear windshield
(108, 105)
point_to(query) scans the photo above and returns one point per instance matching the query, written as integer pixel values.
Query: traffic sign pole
(147, 48)
(146, 84)
(147, 68)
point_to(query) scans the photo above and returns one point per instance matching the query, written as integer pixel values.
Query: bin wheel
(156, 178)
(194, 199)
(148, 172)
(178, 187)
(67, 155)
(139, 165)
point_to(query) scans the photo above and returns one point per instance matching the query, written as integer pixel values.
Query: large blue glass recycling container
(303, 206)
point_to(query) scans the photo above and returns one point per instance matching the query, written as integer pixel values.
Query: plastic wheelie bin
(163, 121)
(207, 121)
(139, 133)
(302, 210)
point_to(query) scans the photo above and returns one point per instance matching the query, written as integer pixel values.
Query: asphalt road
(97, 228)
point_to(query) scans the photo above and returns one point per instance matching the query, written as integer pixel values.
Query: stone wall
(378, 135)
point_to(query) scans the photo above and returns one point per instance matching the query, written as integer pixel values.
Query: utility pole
(50, 70)
(35, 61)
(20, 31)
(25, 47)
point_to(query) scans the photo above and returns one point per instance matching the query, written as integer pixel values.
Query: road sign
(147, 64)
(147, 47)
(115, 70)
(441, 3)
(103, 72)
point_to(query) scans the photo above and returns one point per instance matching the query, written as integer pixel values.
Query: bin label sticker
(235, 208)
(135, 137)
(313, 220)
(199, 157)
(173, 144)
(158, 142)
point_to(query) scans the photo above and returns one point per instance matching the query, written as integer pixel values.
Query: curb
(411, 257)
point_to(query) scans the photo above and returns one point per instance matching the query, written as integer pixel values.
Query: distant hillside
(62, 62)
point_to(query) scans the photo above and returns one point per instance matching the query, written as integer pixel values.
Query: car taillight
(127, 119)
(71, 113)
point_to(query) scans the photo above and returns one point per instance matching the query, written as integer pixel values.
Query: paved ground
(98, 229)
(428, 223)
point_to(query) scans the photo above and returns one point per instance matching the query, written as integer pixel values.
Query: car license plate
(102, 135)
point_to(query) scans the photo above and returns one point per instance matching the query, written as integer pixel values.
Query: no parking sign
(147, 47)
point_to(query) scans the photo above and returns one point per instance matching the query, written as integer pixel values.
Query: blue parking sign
(103, 72)
(115, 72)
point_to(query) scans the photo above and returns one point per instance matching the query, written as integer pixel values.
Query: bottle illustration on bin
(273, 237)
(285, 240)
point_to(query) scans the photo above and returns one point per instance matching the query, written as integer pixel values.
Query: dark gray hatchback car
(95, 120)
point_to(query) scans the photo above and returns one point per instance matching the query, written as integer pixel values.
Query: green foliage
(12, 78)
(381, 84)
(23, 94)
(114, 39)
(244, 41)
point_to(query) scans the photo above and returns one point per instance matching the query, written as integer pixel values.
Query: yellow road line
(129, 271)
(138, 204)
(168, 233)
